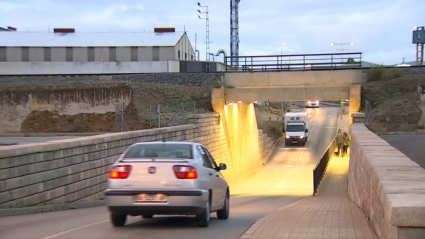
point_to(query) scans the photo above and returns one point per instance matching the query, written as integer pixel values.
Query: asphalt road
(287, 177)
(411, 145)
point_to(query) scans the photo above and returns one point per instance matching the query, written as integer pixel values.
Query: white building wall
(145, 53)
(185, 47)
(123, 54)
(80, 54)
(101, 54)
(36, 54)
(46, 68)
(14, 54)
(58, 54)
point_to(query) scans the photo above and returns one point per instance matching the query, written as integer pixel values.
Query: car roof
(167, 142)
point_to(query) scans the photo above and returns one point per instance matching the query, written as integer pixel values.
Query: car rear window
(161, 150)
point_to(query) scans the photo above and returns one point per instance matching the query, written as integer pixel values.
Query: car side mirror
(222, 167)
(306, 130)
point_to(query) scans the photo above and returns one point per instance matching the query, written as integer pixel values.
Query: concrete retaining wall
(386, 185)
(63, 108)
(72, 173)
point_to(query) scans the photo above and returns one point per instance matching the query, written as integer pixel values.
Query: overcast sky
(381, 29)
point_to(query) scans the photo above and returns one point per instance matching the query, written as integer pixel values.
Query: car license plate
(144, 197)
(294, 142)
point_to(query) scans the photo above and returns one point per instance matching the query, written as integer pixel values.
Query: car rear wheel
(203, 219)
(118, 220)
(223, 213)
(147, 216)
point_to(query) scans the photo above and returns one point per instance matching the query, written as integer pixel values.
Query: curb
(401, 133)
(49, 208)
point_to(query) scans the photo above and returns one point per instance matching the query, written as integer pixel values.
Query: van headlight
(301, 136)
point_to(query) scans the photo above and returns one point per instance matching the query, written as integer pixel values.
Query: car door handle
(210, 174)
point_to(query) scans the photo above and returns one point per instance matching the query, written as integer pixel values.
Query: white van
(312, 104)
(296, 128)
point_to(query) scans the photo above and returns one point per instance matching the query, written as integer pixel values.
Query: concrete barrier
(72, 173)
(386, 185)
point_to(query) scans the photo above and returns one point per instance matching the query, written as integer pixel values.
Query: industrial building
(66, 51)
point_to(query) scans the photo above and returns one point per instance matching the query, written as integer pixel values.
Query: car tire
(306, 139)
(203, 219)
(147, 216)
(223, 213)
(118, 220)
(286, 144)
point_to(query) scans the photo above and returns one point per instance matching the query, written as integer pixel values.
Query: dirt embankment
(392, 101)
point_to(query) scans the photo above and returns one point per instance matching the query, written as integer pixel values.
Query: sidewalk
(328, 215)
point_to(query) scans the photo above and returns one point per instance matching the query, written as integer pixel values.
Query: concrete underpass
(286, 178)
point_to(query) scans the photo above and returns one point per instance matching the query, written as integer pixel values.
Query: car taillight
(185, 172)
(120, 172)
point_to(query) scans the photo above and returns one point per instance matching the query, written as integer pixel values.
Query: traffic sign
(419, 37)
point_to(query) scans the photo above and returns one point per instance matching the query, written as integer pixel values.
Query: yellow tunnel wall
(242, 136)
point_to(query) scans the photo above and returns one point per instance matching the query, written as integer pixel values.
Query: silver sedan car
(166, 178)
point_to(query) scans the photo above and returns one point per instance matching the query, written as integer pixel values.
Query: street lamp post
(207, 30)
(290, 58)
(281, 54)
(342, 49)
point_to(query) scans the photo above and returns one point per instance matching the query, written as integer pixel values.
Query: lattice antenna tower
(234, 32)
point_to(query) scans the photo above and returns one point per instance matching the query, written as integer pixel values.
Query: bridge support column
(355, 100)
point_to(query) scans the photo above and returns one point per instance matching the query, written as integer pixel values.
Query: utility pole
(234, 32)
(207, 33)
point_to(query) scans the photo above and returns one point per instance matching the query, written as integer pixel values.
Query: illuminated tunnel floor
(289, 171)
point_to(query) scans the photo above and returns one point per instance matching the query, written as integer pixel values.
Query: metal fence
(369, 116)
(159, 116)
(320, 169)
(300, 62)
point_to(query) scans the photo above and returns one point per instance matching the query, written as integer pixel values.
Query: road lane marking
(299, 159)
(74, 229)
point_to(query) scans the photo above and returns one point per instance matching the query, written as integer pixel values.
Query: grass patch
(380, 73)
(272, 128)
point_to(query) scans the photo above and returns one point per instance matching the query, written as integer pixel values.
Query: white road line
(74, 229)
(299, 159)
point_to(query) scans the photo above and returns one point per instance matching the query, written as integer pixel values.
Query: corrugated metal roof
(88, 39)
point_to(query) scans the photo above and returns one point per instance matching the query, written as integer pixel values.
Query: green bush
(272, 128)
(381, 73)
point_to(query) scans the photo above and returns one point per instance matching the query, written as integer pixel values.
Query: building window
(178, 54)
(47, 54)
(90, 53)
(69, 54)
(134, 53)
(25, 54)
(3, 53)
(191, 58)
(185, 56)
(112, 54)
(155, 53)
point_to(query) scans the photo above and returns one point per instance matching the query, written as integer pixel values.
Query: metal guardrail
(320, 169)
(303, 62)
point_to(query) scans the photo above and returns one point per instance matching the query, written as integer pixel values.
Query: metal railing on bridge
(295, 62)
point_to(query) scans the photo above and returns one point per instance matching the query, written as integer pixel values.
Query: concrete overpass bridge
(305, 77)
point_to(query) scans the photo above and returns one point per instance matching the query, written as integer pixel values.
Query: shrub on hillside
(272, 128)
(381, 73)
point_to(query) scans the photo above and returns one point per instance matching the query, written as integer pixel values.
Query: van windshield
(160, 150)
(295, 128)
